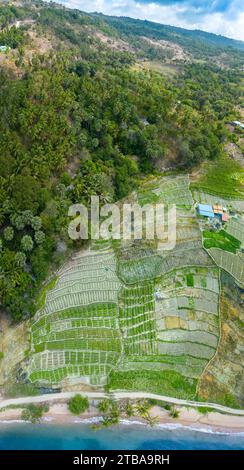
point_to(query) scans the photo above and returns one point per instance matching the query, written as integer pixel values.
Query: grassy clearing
(41, 299)
(168, 70)
(21, 390)
(223, 398)
(166, 382)
(224, 177)
(222, 240)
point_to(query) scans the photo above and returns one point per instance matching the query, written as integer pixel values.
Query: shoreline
(189, 419)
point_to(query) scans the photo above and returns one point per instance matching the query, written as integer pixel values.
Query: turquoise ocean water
(129, 437)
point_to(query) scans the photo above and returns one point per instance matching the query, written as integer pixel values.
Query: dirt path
(55, 397)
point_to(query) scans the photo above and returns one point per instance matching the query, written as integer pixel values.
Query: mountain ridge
(191, 32)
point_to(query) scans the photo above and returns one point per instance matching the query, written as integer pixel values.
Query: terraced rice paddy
(167, 190)
(153, 263)
(236, 228)
(233, 264)
(139, 317)
(187, 334)
(76, 334)
(211, 199)
(187, 317)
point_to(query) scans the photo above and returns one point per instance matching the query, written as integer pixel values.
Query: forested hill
(192, 39)
(89, 107)
(200, 45)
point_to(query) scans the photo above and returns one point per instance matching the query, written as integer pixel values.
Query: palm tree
(143, 407)
(174, 413)
(104, 405)
(152, 420)
(129, 409)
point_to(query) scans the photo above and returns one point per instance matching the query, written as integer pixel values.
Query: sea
(80, 436)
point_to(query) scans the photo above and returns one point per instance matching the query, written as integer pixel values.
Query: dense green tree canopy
(80, 120)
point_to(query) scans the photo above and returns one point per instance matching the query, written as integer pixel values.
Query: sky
(224, 17)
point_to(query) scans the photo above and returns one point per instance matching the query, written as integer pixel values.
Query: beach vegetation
(174, 412)
(34, 413)
(204, 410)
(129, 409)
(111, 412)
(104, 405)
(152, 420)
(84, 119)
(143, 407)
(78, 404)
(167, 407)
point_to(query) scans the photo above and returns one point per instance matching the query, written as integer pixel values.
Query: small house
(205, 210)
(217, 209)
(225, 217)
(238, 124)
(4, 48)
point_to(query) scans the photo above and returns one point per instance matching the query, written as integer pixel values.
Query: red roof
(225, 217)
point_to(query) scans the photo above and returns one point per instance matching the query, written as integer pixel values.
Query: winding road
(57, 397)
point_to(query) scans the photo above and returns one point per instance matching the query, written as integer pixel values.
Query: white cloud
(229, 23)
(217, 23)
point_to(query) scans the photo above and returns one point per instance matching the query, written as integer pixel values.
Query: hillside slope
(118, 108)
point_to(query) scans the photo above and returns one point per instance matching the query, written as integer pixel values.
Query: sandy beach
(188, 417)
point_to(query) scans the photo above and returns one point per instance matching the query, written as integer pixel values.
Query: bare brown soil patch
(176, 52)
(223, 379)
(14, 342)
(113, 43)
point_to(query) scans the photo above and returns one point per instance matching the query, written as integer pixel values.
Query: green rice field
(133, 316)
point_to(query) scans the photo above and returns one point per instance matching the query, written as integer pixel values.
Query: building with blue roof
(238, 124)
(205, 210)
(4, 48)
